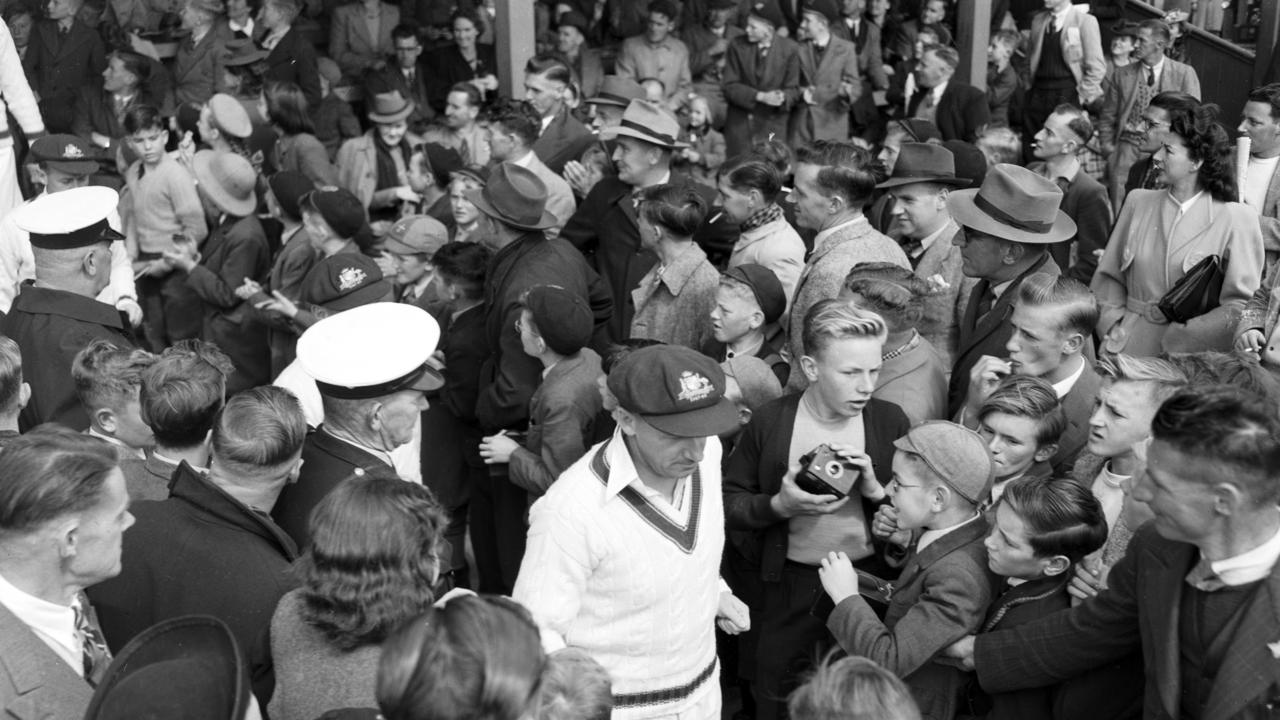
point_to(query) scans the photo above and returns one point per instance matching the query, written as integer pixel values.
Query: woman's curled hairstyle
(376, 544)
(1210, 143)
(893, 292)
(475, 658)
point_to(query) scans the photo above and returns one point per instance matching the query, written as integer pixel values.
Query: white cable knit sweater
(631, 580)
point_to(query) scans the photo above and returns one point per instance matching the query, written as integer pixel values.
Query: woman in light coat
(1161, 234)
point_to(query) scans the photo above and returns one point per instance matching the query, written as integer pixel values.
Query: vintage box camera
(823, 473)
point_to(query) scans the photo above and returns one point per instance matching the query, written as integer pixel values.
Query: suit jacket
(944, 309)
(197, 69)
(304, 153)
(605, 230)
(564, 139)
(989, 334)
(700, 40)
(745, 74)
(293, 59)
(448, 67)
(1122, 93)
(1077, 405)
(1019, 605)
(147, 479)
(1140, 610)
(1085, 201)
(753, 474)
(50, 327)
(941, 596)
(870, 66)
(35, 682)
(350, 44)
(828, 117)
(95, 112)
(1081, 40)
(960, 112)
(59, 66)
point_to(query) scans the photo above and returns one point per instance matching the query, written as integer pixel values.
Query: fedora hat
(229, 181)
(243, 52)
(924, 162)
(514, 196)
(390, 107)
(617, 91)
(188, 667)
(1015, 204)
(646, 120)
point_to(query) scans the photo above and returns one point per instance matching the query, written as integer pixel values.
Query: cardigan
(312, 675)
(753, 475)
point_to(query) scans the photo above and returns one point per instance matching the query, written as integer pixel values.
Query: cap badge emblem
(694, 387)
(350, 278)
(71, 151)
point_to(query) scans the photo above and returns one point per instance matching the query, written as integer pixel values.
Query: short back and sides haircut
(831, 320)
(574, 687)
(107, 376)
(1078, 304)
(183, 391)
(1032, 398)
(751, 172)
(259, 429)
(1062, 517)
(62, 472)
(677, 208)
(845, 170)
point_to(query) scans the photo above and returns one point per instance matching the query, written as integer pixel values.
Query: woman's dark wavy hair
(1210, 143)
(476, 658)
(287, 108)
(374, 558)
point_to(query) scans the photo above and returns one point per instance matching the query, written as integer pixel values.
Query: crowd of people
(750, 364)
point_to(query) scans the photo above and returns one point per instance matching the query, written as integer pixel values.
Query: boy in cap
(165, 205)
(1041, 528)
(57, 316)
(941, 473)
(624, 549)
(555, 327)
(108, 380)
(744, 321)
(411, 242)
(224, 124)
(63, 162)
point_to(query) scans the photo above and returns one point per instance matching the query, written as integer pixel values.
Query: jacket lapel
(1193, 224)
(1251, 665)
(1172, 562)
(1273, 191)
(939, 548)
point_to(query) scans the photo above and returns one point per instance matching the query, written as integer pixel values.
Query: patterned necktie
(985, 300)
(96, 656)
(1203, 578)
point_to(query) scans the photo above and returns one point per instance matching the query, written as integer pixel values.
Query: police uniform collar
(35, 300)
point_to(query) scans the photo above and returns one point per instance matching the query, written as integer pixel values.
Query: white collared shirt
(622, 473)
(928, 536)
(1060, 17)
(1156, 70)
(524, 161)
(1063, 386)
(54, 624)
(246, 27)
(1251, 566)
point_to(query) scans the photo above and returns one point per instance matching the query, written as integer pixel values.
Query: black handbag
(1197, 292)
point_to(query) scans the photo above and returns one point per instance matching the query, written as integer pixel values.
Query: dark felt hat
(514, 196)
(924, 162)
(764, 285)
(1015, 204)
(339, 208)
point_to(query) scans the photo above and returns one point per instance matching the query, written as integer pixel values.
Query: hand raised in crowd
(278, 304)
(1251, 341)
(732, 616)
(497, 449)
(838, 577)
(983, 379)
(184, 257)
(791, 501)
(581, 177)
(1090, 579)
(884, 525)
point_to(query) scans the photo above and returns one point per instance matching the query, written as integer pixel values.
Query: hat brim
(476, 197)
(608, 100)
(622, 131)
(430, 380)
(966, 213)
(717, 419)
(371, 293)
(74, 167)
(393, 245)
(224, 200)
(951, 180)
(395, 117)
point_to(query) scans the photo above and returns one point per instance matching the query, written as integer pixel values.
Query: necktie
(1151, 76)
(985, 300)
(96, 655)
(913, 247)
(818, 51)
(1203, 578)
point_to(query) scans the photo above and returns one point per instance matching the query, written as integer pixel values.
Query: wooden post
(1265, 52)
(514, 36)
(973, 32)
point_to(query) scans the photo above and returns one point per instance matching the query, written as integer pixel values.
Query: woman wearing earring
(1162, 234)
(749, 187)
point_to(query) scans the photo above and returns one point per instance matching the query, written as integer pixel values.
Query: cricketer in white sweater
(614, 569)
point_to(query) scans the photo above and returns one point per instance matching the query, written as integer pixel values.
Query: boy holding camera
(941, 473)
(779, 533)
(1042, 528)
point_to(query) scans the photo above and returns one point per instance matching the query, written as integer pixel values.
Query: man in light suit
(1197, 590)
(60, 532)
(197, 68)
(958, 110)
(829, 73)
(1066, 61)
(512, 128)
(1260, 122)
(1121, 129)
(1009, 224)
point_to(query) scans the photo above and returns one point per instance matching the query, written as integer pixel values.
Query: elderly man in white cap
(370, 365)
(624, 549)
(57, 316)
(605, 227)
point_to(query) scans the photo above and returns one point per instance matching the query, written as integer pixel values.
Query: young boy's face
(149, 144)
(998, 52)
(732, 316)
(1009, 552)
(1012, 441)
(130, 429)
(914, 490)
